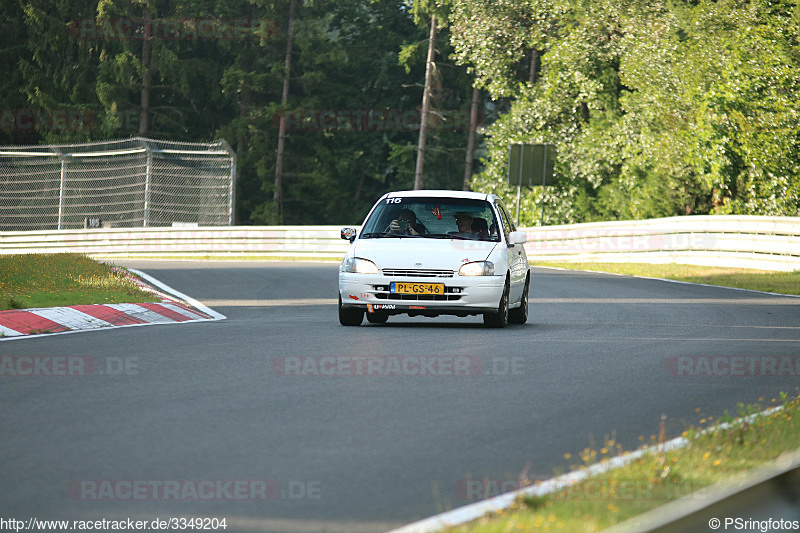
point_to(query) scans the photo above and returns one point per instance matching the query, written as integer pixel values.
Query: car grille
(418, 273)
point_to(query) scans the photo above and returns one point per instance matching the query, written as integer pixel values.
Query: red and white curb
(175, 307)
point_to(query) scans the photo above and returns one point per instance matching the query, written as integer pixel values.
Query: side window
(508, 225)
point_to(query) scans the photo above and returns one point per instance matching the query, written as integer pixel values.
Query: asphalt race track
(263, 415)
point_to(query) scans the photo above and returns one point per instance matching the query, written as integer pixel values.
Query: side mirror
(349, 234)
(517, 237)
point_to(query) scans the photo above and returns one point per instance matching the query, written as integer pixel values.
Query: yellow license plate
(416, 288)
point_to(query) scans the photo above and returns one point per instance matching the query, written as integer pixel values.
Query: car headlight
(358, 266)
(478, 268)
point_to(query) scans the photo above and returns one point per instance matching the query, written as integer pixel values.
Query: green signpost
(531, 165)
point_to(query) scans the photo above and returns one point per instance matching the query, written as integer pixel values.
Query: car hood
(411, 253)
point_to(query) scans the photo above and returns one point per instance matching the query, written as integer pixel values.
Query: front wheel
(520, 314)
(499, 319)
(349, 316)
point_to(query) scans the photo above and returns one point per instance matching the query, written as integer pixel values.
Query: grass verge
(231, 257)
(49, 280)
(654, 479)
(742, 278)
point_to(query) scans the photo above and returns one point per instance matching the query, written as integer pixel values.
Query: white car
(432, 253)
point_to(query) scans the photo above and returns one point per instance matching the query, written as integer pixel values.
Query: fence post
(232, 196)
(63, 160)
(147, 174)
(232, 191)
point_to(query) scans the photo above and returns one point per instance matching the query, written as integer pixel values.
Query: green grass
(49, 280)
(743, 278)
(654, 479)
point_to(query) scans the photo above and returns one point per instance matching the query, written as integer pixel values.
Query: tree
(434, 17)
(13, 54)
(657, 108)
(55, 70)
(160, 60)
(426, 99)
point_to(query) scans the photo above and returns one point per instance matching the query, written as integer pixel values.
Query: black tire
(499, 319)
(350, 316)
(377, 318)
(520, 314)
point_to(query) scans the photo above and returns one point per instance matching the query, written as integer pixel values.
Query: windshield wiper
(448, 236)
(379, 234)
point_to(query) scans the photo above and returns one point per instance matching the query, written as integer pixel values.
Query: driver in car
(464, 223)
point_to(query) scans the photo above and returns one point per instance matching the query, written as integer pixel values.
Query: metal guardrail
(770, 243)
(766, 499)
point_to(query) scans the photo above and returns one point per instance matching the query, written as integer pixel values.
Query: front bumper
(464, 295)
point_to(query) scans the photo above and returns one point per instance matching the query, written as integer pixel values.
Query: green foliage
(41, 41)
(656, 108)
(349, 55)
(12, 48)
(496, 39)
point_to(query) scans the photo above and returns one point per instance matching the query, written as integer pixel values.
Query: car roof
(442, 194)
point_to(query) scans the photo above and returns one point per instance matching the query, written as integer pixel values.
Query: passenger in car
(464, 222)
(480, 228)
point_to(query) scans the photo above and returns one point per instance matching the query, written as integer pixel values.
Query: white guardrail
(769, 243)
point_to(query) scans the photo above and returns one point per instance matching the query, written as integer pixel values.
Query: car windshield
(432, 218)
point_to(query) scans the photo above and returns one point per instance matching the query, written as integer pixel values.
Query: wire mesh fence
(133, 182)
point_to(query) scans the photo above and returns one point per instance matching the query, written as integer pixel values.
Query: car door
(517, 262)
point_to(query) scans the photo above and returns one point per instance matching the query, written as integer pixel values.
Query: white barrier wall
(771, 243)
(313, 242)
